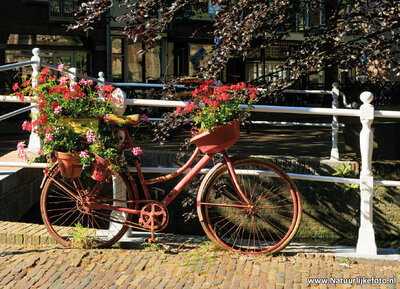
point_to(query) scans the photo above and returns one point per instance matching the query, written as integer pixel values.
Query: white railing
(36, 63)
(366, 239)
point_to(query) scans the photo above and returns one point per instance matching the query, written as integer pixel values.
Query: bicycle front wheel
(72, 222)
(264, 224)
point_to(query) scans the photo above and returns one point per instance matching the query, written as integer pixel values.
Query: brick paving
(200, 266)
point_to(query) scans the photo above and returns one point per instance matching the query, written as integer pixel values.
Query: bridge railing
(366, 239)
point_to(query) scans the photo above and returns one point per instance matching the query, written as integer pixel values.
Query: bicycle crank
(154, 216)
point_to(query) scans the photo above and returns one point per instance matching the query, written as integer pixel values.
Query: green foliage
(152, 246)
(345, 171)
(71, 117)
(83, 238)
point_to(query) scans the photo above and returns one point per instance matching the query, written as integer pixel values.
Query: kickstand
(151, 240)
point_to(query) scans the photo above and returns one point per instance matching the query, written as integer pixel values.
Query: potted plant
(218, 112)
(71, 121)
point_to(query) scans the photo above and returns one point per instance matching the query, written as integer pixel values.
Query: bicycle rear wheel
(264, 225)
(72, 223)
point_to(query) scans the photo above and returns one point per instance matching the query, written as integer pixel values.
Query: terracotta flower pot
(69, 165)
(219, 138)
(100, 168)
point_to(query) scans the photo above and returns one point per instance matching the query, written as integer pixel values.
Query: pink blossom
(60, 67)
(84, 154)
(63, 80)
(57, 110)
(137, 151)
(144, 118)
(90, 82)
(90, 137)
(48, 137)
(56, 129)
(106, 118)
(27, 126)
(21, 153)
(21, 145)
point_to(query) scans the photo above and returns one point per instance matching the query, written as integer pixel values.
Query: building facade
(184, 46)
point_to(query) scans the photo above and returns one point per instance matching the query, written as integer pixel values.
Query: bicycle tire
(72, 223)
(267, 225)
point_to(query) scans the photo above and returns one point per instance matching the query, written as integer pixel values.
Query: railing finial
(366, 97)
(36, 51)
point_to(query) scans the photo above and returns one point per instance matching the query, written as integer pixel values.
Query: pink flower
(63, 81)
(90, 82)
(82, 81)
(21, 146)
(57, 110)
(21, 153)
(56, 129)
(48, 137)
(90, 137)
(137, 151)
(84, 154)
(144, 118)
(106, 118)
(27, 126)
(60, 67)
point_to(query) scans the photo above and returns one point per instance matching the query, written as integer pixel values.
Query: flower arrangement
(61, 104)
(213, 106)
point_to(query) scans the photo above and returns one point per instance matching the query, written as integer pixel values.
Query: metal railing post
(35, 144)
(366, 236)
(335, 123)
(101, 82)
(72, 75)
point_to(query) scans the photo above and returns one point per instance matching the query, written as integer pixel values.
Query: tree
(356, 34)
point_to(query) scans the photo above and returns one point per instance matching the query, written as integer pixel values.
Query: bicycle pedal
(159, 190)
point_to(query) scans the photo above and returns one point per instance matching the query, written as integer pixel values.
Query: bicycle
(244, 203)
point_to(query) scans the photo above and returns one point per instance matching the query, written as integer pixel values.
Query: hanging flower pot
(69, 165)
(219, 138)
(101, 168)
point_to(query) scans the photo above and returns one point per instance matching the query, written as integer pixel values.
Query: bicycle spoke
(270, 218)
(65, 209)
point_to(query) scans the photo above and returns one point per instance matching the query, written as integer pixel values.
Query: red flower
(27, 126)
(15, 86)
(107, 88)
(54, 104)
(178, 110)
(45, 71)
(189, 107)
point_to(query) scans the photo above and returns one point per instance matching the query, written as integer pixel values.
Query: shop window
(117, 53)
(198, 55)
(134, 62)
(273, 71)
(24, 39)
(317, 80)
(58, 40)
(153, 65)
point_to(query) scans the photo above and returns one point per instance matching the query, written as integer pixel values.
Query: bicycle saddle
(124, 120)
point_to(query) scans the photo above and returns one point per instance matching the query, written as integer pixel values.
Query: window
(58, 40)
(134, 62)
(198, 55)
(117, 53)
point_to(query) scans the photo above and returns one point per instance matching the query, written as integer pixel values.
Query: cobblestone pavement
(186, 266)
